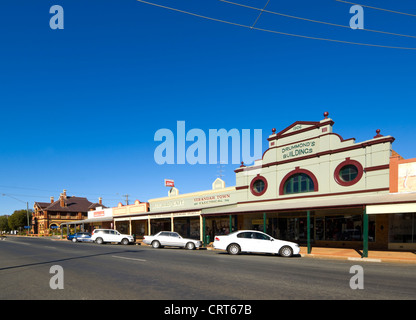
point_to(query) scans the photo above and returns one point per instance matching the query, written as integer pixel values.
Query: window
(298, 183)
(245, 235)
(258, 185)
(260, 236)
(348, 172)
(402, 228)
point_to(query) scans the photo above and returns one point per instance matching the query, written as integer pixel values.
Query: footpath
(356, 255)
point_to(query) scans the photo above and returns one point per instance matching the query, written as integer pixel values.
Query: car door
(164, 238)
(261, 242)
(176, 240)
(112, 236)
(244, 240)
(81, 236)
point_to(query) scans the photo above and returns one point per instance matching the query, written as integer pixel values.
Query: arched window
(298, 183)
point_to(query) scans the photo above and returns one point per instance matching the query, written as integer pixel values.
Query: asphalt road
(92, 271)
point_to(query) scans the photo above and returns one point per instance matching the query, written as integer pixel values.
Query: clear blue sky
(80, 106)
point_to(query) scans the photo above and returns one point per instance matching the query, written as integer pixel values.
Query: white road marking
(129, 258)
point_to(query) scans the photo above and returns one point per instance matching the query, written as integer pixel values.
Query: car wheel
(125, 241)
(190, 246)
(234, 248)
(99, 240)
(74, 239)
(156, 244)
(286, 251)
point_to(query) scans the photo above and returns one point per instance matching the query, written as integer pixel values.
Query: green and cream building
(311, 186)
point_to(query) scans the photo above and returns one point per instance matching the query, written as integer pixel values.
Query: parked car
(79, 236)
(254, 241)
(101, 236)
(172, 239)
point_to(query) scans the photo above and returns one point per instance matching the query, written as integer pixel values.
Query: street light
(27, 209)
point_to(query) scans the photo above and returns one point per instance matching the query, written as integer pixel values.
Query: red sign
(169, 183)
(99, 214)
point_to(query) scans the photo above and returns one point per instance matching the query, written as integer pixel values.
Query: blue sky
(80, 106)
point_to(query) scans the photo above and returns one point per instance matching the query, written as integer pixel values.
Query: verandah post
(308, 227)
(204, 241)
(365, 233)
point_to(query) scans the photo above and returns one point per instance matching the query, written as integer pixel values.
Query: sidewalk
(355, 255)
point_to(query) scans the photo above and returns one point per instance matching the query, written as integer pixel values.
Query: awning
(324, 202)
(392, 208)
(91, 220)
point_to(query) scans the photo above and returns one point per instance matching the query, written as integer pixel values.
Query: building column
(231, 223)
(204, 241)
(308, 227)
(365, 233)
(172, 225)
(130, 230)
(264, 223)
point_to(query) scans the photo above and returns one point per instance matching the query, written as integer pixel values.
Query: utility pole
(127, 198)
(27, 209)
(220, 170)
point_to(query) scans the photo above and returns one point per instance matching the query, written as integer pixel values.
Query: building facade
(48, 216)
(311, 186)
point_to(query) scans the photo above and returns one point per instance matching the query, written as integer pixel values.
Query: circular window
(258, 185)
(348, 172)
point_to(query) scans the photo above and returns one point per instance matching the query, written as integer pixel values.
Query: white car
(173, 239)
(101, 236)
(254, 241)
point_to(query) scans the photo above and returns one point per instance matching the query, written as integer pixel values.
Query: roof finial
(326, 114)
(378, 134)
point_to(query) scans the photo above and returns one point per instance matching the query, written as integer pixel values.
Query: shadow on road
(68, 259)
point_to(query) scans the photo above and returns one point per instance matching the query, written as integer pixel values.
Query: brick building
(50, 215)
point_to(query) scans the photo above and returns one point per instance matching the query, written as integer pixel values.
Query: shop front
(101, 218)
(131, 219)
(182, 213)
(399, 223)
(186, 223)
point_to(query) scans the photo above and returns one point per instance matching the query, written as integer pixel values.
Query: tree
(19, 219)
(4, 225)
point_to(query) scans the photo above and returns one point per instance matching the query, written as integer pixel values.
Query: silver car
(172, 239)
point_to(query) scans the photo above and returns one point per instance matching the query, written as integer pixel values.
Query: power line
(127, 198)
(314, 21)
(261, 11)
(381, 9)
(276, 32)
